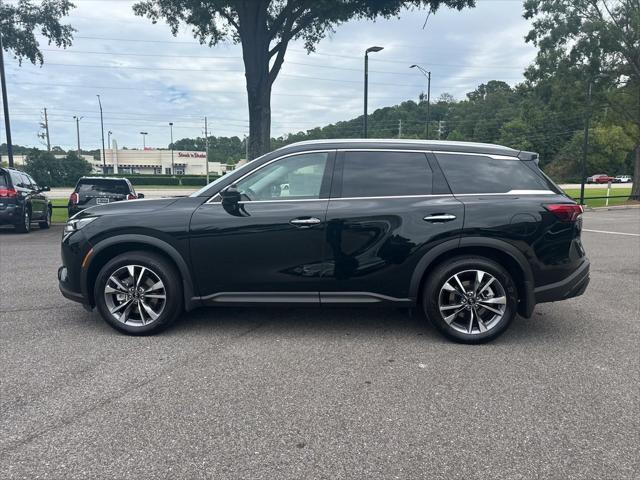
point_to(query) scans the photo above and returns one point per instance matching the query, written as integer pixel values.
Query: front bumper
(572, 286)
(67, 292)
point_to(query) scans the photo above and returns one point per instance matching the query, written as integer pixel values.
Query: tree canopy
(19, 22)
(265, 28)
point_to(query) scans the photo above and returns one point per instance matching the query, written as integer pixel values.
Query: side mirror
(140, 195)
(45, 189)
(231, 195)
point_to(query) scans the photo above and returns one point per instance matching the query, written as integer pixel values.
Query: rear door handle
(440, 217)
(305, 222)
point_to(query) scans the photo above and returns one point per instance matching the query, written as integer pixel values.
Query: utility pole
(5, 104)
(172, 167)
(206, 148)
(77, 119)
(400, 128)
(366, 84)
(428, 75)
(104, 155)
(585, 144)
(46, 130)
(246, 147)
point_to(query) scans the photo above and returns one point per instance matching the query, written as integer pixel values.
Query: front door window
(296, 177)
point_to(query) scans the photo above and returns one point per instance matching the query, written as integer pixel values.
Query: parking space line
(612, 233)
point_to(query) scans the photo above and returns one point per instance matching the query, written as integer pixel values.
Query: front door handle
(440, 217)
(305, 222)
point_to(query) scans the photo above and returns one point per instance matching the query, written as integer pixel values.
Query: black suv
(22, 201)
(471, 234)
(92, 191)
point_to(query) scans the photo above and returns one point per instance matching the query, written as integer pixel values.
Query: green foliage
(46, 169)
(72, 168)
(609, 152)
(19, 21)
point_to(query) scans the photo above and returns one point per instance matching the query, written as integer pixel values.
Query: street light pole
(77, 119)
(366, 84)
(428, 75)
(104, 155)
(5, 105)
(144, 141)
(109, 133)
(172, 167)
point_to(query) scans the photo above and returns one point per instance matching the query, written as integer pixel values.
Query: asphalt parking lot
(311, 393)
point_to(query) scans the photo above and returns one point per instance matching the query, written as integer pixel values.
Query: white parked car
(622, 179)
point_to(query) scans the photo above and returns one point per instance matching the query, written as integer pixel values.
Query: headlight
(74, 225)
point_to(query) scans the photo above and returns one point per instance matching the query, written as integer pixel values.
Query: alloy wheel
(472, 302)
(135, 295)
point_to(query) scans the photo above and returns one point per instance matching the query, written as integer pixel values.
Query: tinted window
(380, 174)
(4, 181)
(96, 186)
(482, 174)
(295, 177)
(16, 178)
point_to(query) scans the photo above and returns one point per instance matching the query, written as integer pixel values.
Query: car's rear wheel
(139, 293)
(25, 225)
(46, 223)
(470, 299)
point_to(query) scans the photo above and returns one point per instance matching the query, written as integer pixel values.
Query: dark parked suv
(92, 191)
(471, 234)
(22, 201)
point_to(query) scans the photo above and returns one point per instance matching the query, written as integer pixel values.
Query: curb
(613, 207)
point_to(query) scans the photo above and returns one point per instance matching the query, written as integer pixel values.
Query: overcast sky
(147, 78)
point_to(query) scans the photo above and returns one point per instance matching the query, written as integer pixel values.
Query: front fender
(190, 300)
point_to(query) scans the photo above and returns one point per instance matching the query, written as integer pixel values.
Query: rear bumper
(572, 286)
(10, 215)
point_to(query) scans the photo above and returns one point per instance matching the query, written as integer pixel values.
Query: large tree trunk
(252, 17)
(635, 190)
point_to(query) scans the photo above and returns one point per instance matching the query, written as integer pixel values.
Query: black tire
(25, 225)
(161, 268)
(434, 290)
(46, 223)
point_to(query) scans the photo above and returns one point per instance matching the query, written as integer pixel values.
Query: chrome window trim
(510, 192)
(392, 197)
(329, 150)
(497, 157)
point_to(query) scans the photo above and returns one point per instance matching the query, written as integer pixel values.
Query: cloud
(153, 78)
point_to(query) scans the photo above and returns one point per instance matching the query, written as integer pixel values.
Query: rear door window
(4, 181)
(483, 174)
(99, 186)
(16, 178)
(384, 174)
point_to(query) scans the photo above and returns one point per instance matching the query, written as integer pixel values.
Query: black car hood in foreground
(128, 207)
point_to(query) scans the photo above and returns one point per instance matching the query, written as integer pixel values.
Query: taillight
(131, 196)
(74, 199)
(8, 193)
(566, 212)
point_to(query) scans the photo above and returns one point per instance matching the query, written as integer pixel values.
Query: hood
(127, 207)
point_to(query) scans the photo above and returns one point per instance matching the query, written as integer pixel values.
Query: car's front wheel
(139, 293)
(46, 223)
(470, 299)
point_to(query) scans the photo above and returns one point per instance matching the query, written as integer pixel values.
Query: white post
(608, 192)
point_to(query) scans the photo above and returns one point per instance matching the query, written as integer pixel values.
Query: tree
(264, 28)
(18, 22)
(44, 167)
(72, 168)
(600, 39)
